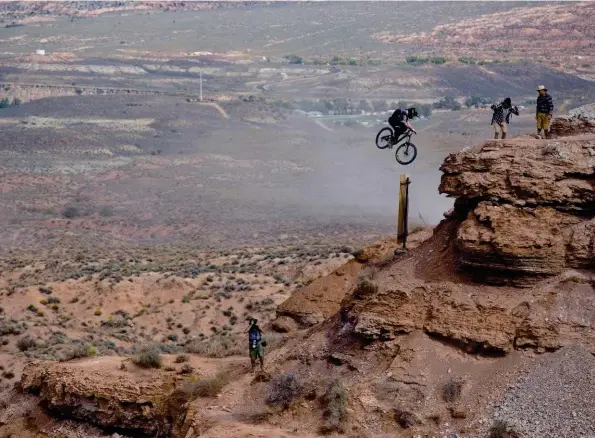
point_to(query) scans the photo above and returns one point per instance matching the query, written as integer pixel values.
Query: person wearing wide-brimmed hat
(544, 110)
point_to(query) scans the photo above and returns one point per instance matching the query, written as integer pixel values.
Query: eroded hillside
(444, 338)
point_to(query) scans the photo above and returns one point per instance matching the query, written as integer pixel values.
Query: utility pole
(201, 85)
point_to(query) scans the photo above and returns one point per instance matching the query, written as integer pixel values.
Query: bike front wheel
(406, 153)
(384, 137)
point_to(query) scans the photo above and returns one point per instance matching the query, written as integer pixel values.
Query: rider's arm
(409, 125)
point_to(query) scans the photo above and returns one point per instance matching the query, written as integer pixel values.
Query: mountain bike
(405, 153)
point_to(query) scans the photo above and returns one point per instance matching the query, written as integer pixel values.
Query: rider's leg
(396, 132)
(495, 125)
(504, 128)
(399, 130)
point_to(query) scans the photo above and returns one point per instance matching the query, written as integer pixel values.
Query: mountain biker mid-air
(399, 121)
(389, 137)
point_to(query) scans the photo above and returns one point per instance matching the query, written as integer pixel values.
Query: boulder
(108, 398)
(529, 207)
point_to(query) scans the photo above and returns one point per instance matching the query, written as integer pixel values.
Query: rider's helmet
(411, 113)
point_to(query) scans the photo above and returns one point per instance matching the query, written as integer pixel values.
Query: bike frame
(406, 134)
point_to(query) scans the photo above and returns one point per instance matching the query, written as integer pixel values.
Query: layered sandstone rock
(579, 121)
(529, 207)
(322, 298)
(107, 398)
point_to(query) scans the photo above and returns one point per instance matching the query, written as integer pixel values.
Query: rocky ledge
(527, 207)
(145, 403)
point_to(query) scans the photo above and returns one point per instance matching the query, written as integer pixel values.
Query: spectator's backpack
(254, 336)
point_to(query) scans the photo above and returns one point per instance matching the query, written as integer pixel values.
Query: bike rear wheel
(406, 153)
(384, 137)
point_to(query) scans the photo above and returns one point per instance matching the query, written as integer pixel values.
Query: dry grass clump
(148, 357)
(26, 343)
(209, 386)
(78, 351)
(365, 287)
(181, 358)
(406, 419)
(284, 389)
(217, 347)
(451, 391)
(335, 408)
(501, 429)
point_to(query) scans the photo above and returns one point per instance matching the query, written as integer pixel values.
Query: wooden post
(403, 208)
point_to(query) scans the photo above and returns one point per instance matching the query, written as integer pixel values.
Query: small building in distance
(40, 52)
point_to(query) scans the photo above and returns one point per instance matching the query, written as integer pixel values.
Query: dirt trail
(217, 107)
(323, 126)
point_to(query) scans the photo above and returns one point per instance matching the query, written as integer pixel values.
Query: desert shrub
(205, 387)
(406, 419)
(53, 300)
(70, 212)
(181, 358)
(365, 287)
(217, 347)
(106, 211)
(32, 308)
(448, 102)
(78, 351)
(416, 60)
(294, 59)
(452, 390)
(347, 248)
(26, 343)
(186, 369)
(12, 327)
(335, 407)
(501, 429)
(467, 60)
(8, 374)
(148, 357)
(283, 390)
(476, 101)
(45, 290)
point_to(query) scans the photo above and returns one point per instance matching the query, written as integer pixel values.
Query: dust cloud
(356, 181)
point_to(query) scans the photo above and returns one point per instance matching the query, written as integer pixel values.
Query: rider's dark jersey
(398, 116)
(398, 120)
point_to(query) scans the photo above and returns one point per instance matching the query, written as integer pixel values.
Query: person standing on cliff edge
(544, 111)
(500, 120)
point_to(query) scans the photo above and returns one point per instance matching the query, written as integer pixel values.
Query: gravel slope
(554, 398)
